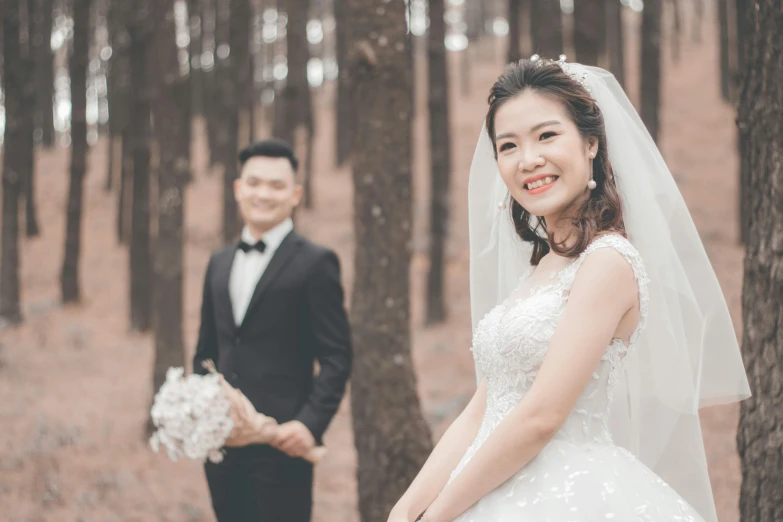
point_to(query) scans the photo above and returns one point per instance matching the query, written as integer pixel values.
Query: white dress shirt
(248, 267)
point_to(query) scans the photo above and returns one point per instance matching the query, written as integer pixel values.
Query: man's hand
(294, 439)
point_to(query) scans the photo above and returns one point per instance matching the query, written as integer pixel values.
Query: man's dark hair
(271, 148)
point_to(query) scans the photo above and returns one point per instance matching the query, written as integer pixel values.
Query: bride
(599, 325)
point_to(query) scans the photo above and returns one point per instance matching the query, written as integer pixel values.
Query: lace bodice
(510, 343)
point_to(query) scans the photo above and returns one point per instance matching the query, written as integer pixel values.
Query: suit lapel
(222, 276)
(279, 260)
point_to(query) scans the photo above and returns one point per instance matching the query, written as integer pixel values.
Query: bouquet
(197, 415)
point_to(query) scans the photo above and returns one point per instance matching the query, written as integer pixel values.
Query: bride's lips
(543, 188)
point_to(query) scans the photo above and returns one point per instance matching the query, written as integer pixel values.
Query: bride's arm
(603, 292)
(443, 459)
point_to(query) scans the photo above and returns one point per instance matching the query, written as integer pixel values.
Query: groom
(272, 306)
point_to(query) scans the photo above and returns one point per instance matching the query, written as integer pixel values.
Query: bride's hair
(599, 213)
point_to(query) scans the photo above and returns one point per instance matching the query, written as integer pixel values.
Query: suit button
(234, 377)
(237, 340)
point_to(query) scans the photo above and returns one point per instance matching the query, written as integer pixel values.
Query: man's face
(266, 192)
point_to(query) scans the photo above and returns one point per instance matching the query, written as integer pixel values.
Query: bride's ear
(592, 147)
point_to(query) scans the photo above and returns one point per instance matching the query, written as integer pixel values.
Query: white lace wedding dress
(580, 476)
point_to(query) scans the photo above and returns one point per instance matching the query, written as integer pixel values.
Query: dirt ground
(76, 384)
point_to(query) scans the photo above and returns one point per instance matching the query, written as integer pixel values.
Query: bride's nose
(531, 160)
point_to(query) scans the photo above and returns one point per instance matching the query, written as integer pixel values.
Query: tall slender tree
(759, 438)
(440, 160)
(392, 438)
(724, 44)
(589, 29)
(196, 27)
(743, 25)
(294, 108)
(546, 22)
(78, 64)
(44, 70)
(344, 118)
(615, 40)
(171, 108)
(28, 118)
(13, 164)
(119, 111)
(139, 133)
(651, 66)
(514, 30)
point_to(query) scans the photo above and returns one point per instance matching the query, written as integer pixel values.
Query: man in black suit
(272, 306)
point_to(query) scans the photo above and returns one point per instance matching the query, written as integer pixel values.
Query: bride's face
(542, 157)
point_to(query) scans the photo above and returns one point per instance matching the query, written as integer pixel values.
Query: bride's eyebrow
(544, 124)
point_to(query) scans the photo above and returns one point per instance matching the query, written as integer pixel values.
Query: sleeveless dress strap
(632, 256)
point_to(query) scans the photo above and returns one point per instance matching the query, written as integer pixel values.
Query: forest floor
(76, 383)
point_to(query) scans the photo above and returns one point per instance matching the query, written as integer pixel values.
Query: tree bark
(138, 143)
(13, 165)
(723, 34)
(547, 28)
(392, 438)
(514, 53)
(615, 43)
(78, 64)
(651, 66)
(345, 115)
(759, 438)
(589, 29)
(44, 71)
(440, 159)
(171, 106)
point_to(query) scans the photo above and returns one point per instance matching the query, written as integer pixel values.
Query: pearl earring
(502, 205)
(591, 184)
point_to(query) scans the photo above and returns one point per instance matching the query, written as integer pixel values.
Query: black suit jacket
(296, 316)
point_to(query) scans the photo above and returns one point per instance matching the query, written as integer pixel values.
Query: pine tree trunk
(392, 438)
(196, 25)
(28, 120)
(44, 71)
(78, 64)
(138, 143)
(651, 66)
(345, 117)
(759, 438)
(171, 106)
(295, 107)
(231, 19)
(208, 75)
(742, 133)
(514, 18)
(615, 39)
(547, 28)
(676, 36)
(723, 33)
(589, 17)
(440, 159)
(698, 16)
(13, 165)
(119, 109)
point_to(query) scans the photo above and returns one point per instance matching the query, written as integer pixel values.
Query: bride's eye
(547, 135)
(506, 146)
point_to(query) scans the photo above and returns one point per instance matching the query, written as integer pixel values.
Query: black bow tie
(246, 247)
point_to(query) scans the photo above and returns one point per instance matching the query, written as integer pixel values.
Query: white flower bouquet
(197, 415)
